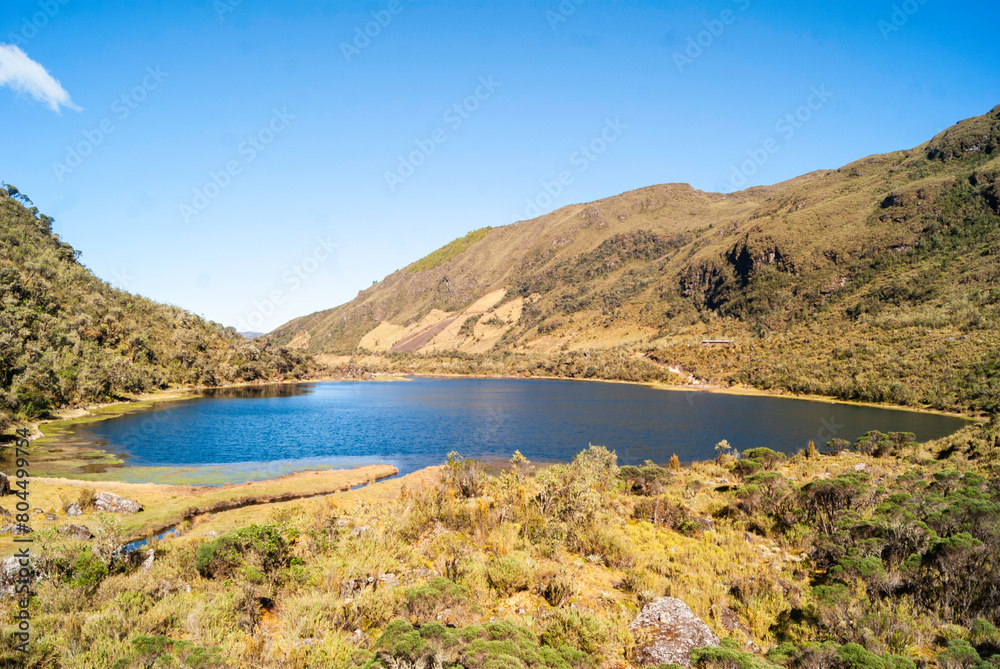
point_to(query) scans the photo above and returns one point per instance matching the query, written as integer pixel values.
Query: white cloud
(21, 74)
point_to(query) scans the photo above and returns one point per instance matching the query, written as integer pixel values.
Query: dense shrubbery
(66, 336)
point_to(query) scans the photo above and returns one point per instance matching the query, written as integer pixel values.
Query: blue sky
(239, 156)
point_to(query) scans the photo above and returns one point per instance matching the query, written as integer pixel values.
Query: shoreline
(72, 457)
(749, 391)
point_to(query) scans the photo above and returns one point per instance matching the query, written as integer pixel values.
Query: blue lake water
(241, 434)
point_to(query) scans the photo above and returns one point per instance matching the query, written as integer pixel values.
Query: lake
(250, 433)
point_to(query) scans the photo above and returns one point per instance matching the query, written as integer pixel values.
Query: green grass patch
(449, 251)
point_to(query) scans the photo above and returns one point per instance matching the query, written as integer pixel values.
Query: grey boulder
(106, 501)
(671, 631)
(15, 529)
(80, 532)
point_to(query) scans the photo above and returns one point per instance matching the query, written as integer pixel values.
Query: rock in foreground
(79, 532)
(673, 632)
(106, 501)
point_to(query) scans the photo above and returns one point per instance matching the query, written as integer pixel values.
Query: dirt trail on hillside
(422, 338)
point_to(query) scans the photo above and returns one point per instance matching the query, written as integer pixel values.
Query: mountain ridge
(840, 257)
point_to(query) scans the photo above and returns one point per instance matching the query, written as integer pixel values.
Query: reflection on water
(245, 433)
(259, 392)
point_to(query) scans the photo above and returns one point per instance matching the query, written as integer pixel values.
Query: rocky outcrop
(15, 529)
(979, 136)
(704, 282)
(388, 580)
(79, 532)
(106, 501)
(353, 586)
(4, 485)
(670, 631)
(750, 254)
(10, 569)
(74, 510)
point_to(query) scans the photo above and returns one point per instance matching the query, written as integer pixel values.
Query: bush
(884, 445)
(745, 468)
(605, 543)
(829, 655)
(958, 655)
(837, 446)
(469, 325)
(564, 628)
(983, 633)
(727, 656)
(257, 549)
(575, 493)
(164, 651)
(508, 575)
(425, 602)
(494, 645)
(825, 501)
(649, 479)
(464, 475)
(556, 589)
(88, 571)
(765, 456)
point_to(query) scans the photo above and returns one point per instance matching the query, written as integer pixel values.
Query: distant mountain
(66, 336)
(251, 335)
(876, 281)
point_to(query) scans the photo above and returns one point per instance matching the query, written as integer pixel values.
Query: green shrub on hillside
(494, 645)
(255, 551)
(424, 603)
(509, 574)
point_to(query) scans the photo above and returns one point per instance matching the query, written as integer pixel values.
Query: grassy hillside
(875, 281)
(66, 336)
